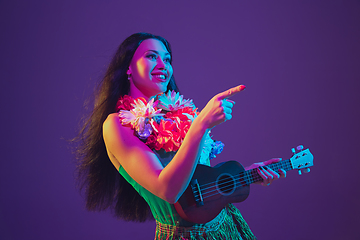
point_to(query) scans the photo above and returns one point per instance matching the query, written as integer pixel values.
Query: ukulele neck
(251, 175)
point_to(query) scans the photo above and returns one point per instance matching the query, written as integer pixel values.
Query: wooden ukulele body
(210, 190)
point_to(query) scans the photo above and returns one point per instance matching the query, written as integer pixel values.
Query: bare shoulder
(112, 127)
(111, 119)
(112, 124)
(119, 139)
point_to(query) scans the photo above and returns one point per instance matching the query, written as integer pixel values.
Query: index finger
(273, 160)
(230, 92)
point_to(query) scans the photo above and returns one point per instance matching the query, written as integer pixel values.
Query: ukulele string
(256, 178)
(286, 166)
(226, 188)
(242, 181)
(219, 186)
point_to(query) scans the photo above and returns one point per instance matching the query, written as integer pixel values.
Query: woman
(155, 145)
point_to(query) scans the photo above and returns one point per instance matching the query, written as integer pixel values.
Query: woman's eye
(151, 56)
(167, 60)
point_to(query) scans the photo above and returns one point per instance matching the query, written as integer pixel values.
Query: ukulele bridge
(197, 193)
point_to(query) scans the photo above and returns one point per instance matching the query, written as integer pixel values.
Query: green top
(229, 224)
(162, 211)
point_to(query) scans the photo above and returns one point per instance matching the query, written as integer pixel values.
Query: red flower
(167, 136)
(124, 103)
(151, 141)
(182, 128)
(169, 133)
(179, 113)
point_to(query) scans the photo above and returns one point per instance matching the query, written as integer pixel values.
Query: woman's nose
(160, 63)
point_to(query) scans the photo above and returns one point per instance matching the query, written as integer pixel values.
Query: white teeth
(160, 76)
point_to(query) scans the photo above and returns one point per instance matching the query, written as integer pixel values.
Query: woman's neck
(135, 93)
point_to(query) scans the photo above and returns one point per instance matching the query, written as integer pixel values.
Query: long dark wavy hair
(102, 184)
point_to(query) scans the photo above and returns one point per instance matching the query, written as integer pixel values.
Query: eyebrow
(158, 52)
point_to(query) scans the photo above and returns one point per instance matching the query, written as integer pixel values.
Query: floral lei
(162, 123)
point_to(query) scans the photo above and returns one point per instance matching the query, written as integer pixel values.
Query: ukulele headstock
(302, 159)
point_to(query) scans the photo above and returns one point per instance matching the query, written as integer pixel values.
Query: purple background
(299, 61)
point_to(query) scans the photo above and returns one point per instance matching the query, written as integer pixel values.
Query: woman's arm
(143, 165)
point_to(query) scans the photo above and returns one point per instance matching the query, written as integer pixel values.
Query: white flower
(173, 101)
(137, 116)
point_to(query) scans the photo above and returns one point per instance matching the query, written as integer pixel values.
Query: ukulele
(212, 188)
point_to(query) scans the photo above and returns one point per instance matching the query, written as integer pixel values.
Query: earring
(129, 77)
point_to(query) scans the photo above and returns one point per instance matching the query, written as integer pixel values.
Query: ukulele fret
(248, 178)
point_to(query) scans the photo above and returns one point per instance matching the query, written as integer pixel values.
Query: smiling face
(150, 69)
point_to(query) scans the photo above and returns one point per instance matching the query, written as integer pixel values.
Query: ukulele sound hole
(225, 184)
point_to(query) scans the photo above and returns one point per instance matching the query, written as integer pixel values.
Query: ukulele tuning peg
(304, 170)
(300, 147)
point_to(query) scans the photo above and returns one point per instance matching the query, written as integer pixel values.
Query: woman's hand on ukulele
(267, 173)
(219, 108)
